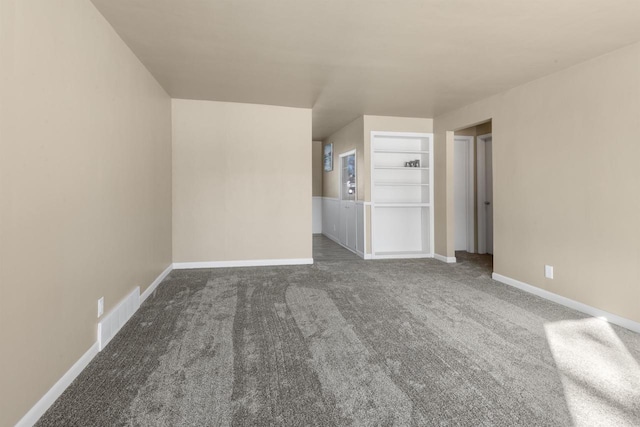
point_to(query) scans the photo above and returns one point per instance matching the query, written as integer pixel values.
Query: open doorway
(335, 230)
(473, 190)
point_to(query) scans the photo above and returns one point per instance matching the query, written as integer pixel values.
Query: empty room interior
(297, 213)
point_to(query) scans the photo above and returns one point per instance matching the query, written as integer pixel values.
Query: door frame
(482, 191)
(469, 191)
(354, 201)
(355, 168)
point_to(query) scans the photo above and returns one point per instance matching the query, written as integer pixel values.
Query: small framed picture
(328, 157)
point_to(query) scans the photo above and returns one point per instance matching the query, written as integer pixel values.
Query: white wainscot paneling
(316, 215)
(360, 227)
(330, 217)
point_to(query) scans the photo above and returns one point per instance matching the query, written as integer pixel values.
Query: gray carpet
(359, 343)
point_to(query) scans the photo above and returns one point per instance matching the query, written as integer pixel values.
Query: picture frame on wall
(328, 157)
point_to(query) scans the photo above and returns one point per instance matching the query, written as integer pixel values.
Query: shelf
(397, 184)
(401, 254)
(401, 204)
(402, 213)
(400, 167)
(401, 151)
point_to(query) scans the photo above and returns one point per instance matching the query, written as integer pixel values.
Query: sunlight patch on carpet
(601, 379)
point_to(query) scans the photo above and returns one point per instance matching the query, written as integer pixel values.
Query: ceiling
(345, 58)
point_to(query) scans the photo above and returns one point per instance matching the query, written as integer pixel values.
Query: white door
(348, 235)
(489, 193)
(463, 193)
(485, 194)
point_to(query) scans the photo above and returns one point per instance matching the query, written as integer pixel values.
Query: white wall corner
(155, 283)
(447, 259)
(567, 302)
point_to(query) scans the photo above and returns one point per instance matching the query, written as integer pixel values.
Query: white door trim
(355, 199)
(482, 192)
(469, 178)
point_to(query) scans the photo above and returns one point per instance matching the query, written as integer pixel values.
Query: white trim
(471, 221)
(58, 388)
(333, 239)
(242, 263)
(481, 177)
(401, 134)
(347, 153)
(403, 255)
(447, 259)
(469, 193)
(365, 230)
(155, 283)
(432, 185)
(344, 201)
(567, 302)
(481, 192)
(336, 240)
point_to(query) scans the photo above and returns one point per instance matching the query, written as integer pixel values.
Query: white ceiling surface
(345, 58)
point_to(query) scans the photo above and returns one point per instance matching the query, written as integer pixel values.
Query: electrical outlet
(548, 271)
(100, 306)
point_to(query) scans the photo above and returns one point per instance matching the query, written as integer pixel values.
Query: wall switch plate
(100, 306)
(548, 271)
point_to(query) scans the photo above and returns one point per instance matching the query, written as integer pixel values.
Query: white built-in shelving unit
(401, 195)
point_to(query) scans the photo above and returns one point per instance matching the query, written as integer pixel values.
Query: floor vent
(112, 322)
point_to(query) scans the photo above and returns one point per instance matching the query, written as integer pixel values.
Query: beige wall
(346, 139)
(566, 181)
(85, 188)
(316, 168)
(241, 182)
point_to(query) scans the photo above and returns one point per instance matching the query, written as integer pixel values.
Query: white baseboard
(155, 283)
(58, 388)
(402, 256)
(567, 302)
(363, 255)
(360, 254)
(333, 238)
(34, 414)
(242, 263)
(447, 259)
